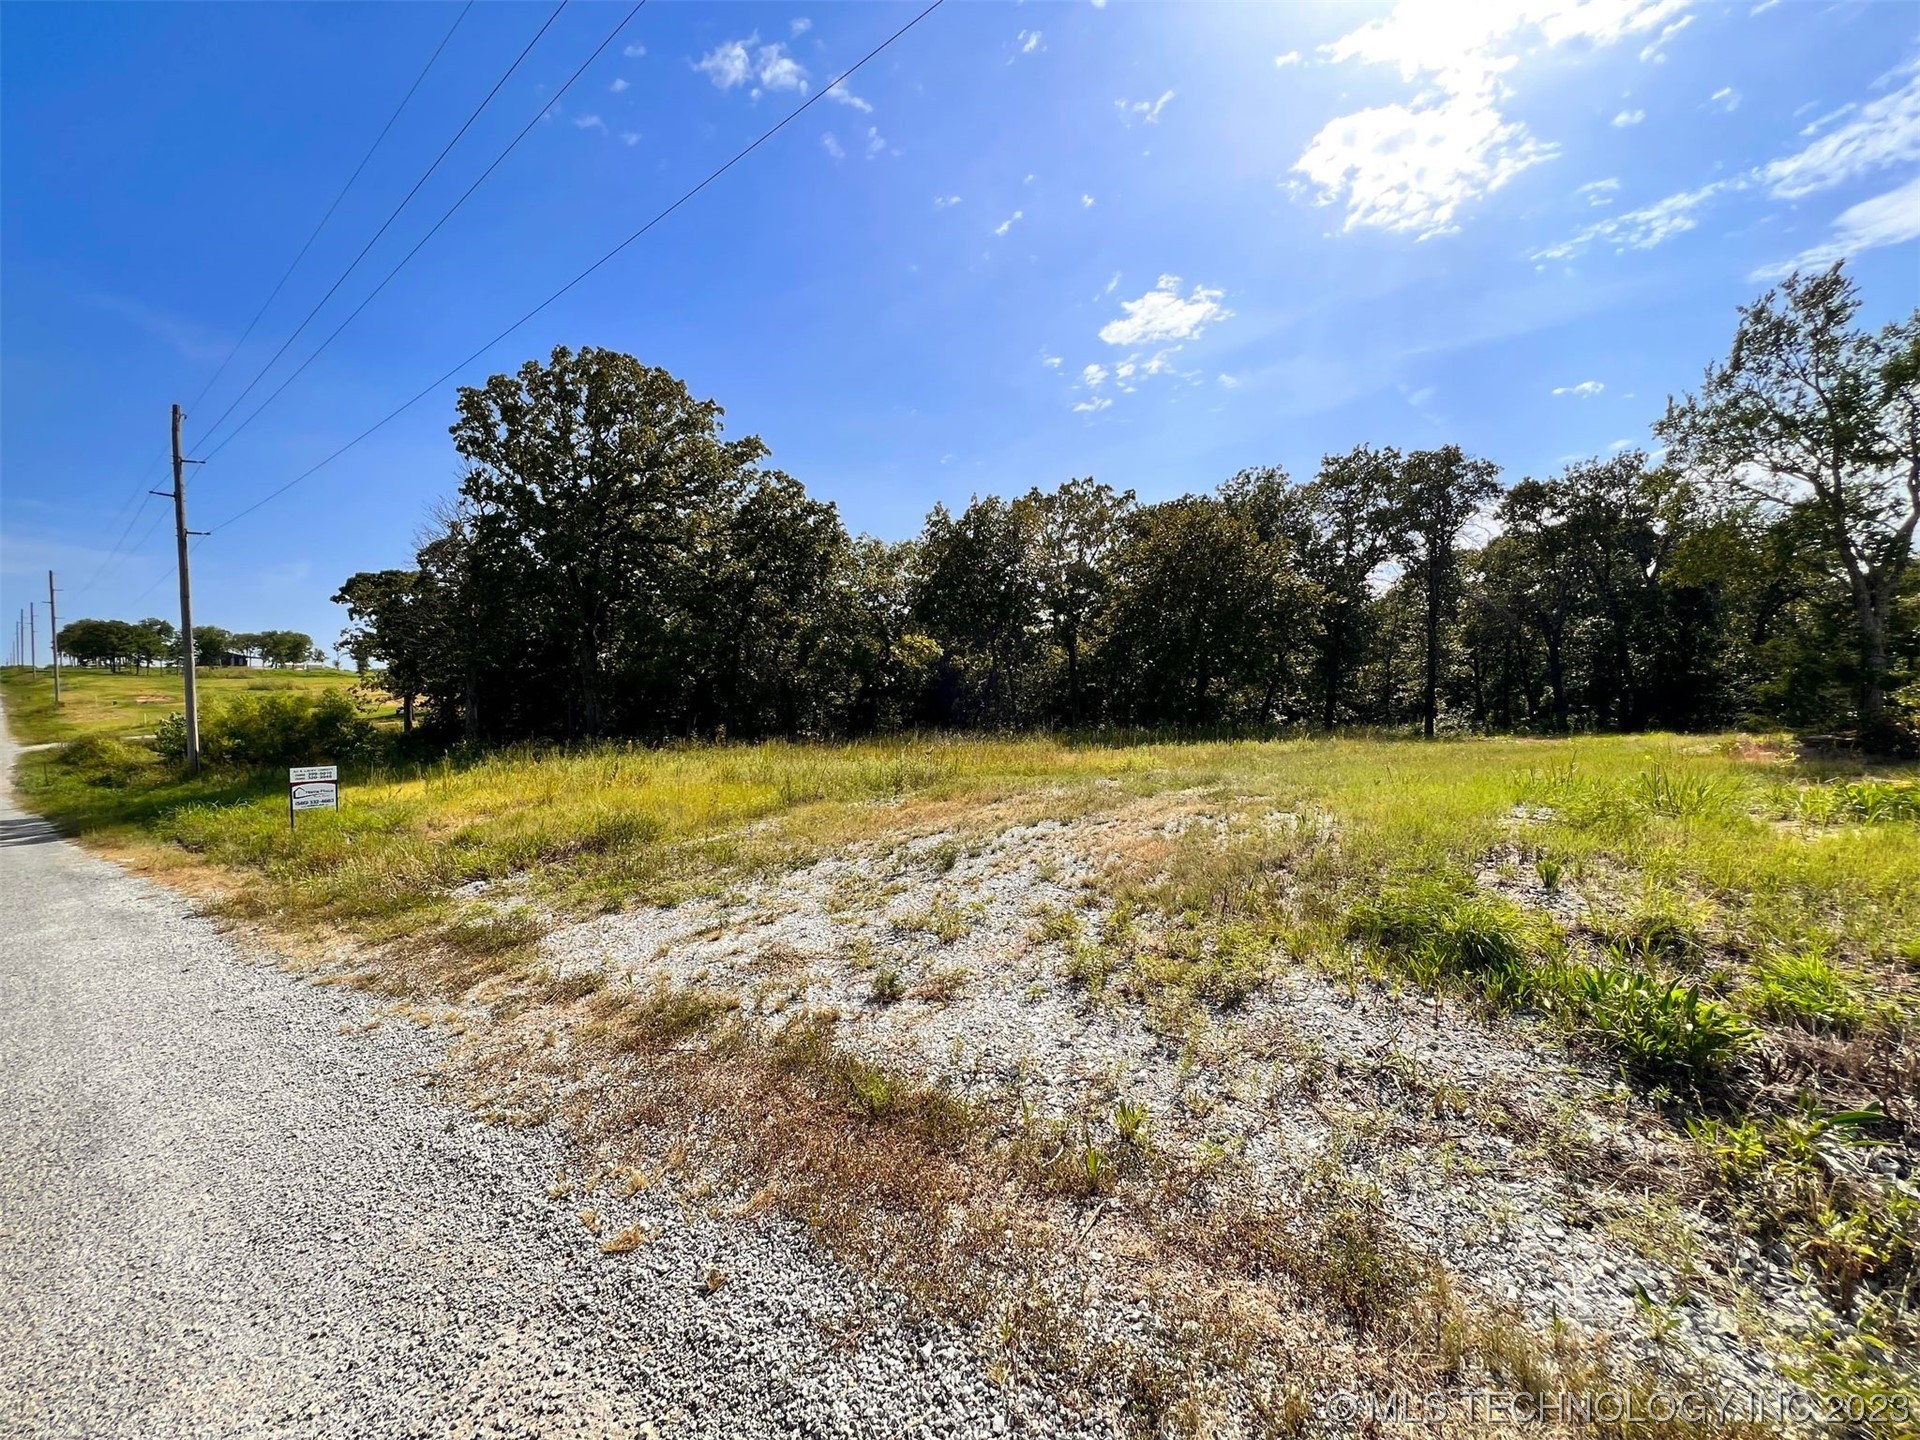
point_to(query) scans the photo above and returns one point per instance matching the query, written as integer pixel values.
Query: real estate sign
(312, 787)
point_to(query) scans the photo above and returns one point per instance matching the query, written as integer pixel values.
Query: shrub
(109, 763)
(1864, 802)
(1662, 929)
(287, 727)
(1440, 928)
(1661, 1031)
(1682, 795)
(1803, 988)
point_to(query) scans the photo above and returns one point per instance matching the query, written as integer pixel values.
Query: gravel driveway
(222, 1214)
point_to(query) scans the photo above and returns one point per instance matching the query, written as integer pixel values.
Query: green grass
(1713, 900)
(99, 702)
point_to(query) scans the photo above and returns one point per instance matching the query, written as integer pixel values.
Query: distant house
(241, 659)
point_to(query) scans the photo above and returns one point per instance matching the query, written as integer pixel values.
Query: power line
(406, 405)
(526, 130)
(133, 518)
(385, 224)
(146, 480)
(294, 264)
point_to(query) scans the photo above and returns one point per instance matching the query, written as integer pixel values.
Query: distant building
(241, 659)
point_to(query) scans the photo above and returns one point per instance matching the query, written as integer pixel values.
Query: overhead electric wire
(294, 264)
(146, 480)
(387, 223)
(435, 384)
(538, 115)
(133, 518)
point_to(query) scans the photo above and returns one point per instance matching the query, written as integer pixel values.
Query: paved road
(221, 1215)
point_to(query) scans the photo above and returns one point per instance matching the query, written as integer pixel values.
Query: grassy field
(1726, 933)
(100, 702)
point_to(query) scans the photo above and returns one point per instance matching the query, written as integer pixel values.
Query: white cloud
(1820, 122)
(1052, 362)
(1889, 219)
(841, 95)
(1094, 376)
(728, 64)
(1281, 62)
(617, 86)
(1599, 192)
(1086, 202)
(875, 144)
(942, 202)
(831, 144)
(1161, 314)
(1007, 224)
(1585, 390)
(801, 24)
(1619, 445)
(1113, 283)
(1628, 117)
(1094, 405)
(629, 137)
(1725, 98)
(1881, 133)
(1644, 228)
(1411, 166)
(634, 52)
(1652, 51)
(1143, 112)
(780, 71)
(589, 122)
(1231, 382)
(736, 62)
(1029, 41)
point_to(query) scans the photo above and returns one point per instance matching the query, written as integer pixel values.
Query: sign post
(312, 787)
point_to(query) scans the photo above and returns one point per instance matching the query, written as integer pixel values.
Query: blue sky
(1152, 243)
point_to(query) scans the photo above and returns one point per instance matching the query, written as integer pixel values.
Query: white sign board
(315, 795)
(312, 787)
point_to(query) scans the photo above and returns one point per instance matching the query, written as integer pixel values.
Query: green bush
(98, 760)
(1662, 1031)
(1859, 802)
(1441, 928)
(1804, 988)
(286, 727)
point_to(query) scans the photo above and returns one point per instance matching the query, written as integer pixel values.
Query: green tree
(211, 644)
(1436, 494)
(1344, 542)
(978, 594)
(1208, 613)
(1073, 531)
(1811, 413)
(591, 483)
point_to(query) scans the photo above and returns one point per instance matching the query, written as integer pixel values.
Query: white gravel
(229, 1208)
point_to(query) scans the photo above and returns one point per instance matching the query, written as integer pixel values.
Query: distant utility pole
(181, 533)
(33, 638)
(53, 639)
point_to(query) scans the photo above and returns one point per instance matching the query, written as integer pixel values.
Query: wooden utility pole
(53, 639)
(186, 596)
(33, 636)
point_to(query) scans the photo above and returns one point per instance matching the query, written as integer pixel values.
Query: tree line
(141, 644)
(614, 565)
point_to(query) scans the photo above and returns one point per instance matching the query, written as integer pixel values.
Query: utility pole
(53, 639)
(33, 637)
(186, 592)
